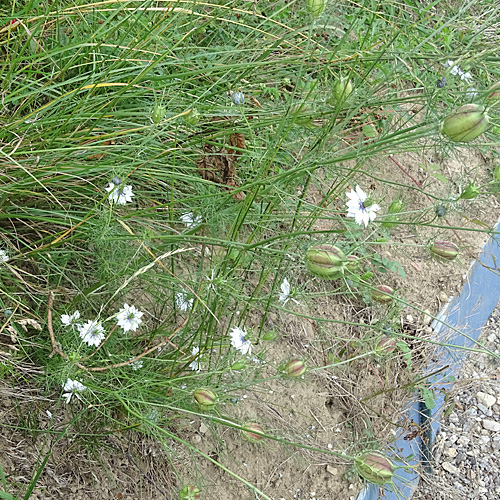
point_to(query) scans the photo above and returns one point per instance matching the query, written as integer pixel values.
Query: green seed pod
(342, 90)
(205, 397)
(386, 345)
(444, 250)
(302, 115)
(193, 117)
(466, 123)
(395, 208)
(158, 114)
(326, 261)
(493, 96)
(496, 173)
(375, 467)
(383, 294)
(239, 365)
(470, 192)
(316, 7)
(249, 430)
(295, 368)
(190, 492)
(352, 262)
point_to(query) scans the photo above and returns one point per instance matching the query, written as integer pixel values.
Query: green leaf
(440, 177)
(370, 131)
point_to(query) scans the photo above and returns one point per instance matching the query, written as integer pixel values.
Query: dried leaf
(220, 167)
(236, 140)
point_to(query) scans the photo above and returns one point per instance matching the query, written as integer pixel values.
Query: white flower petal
(239, 341)
(70, 319)
(3, 256)
(91, 333)
(356, 208)
(129, 318)
(360, 193)
(182, 301)
(72, 387)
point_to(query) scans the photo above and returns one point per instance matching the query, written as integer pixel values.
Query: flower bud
(326, 261)
(238, 97)
(493, 96)
(190, 492)
(386, 345)
(295, 368)
(249, 430)
(158, 114)
(375, 467)
(441, 210)
(205, 397)
(383, 294)
(316, 7)
(466, 123)
(444, 250)
(470, 192)
(192, 117)
(496, 173)
(395, 208)
(342, 89)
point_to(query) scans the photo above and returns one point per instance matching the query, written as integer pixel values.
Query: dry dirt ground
(323, 410)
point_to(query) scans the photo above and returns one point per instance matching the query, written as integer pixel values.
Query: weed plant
(164, 168)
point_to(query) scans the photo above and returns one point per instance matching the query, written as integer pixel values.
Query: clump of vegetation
(180, 179)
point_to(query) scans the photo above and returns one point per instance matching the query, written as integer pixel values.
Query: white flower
(471, 93)
(238, 340)
(211, 281)
(357, 208)
(3, 256)
(91, 332)
(455, 70)
(72, 387)
(190, 220)
(466, 76)
(195, 365)
(118, 194)
(182, 301)
(136, 365)
(285, 293)
(70, 319)
(129, 318)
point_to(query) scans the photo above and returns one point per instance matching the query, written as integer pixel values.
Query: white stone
(450, 452)
(449, 467)
(492, 338)
(491, 425)
(332, 470)
(426, 317)
(463, 441)
(486, 399)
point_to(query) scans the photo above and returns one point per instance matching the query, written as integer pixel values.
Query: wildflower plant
(256, 180)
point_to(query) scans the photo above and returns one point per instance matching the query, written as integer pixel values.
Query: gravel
(467, 447)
